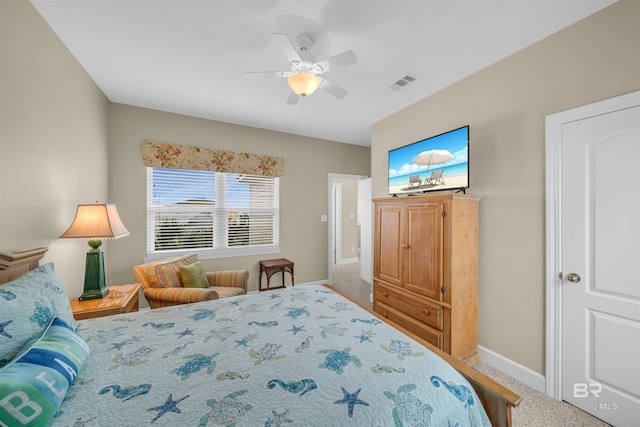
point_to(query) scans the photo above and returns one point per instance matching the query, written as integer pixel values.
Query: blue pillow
(27, 305)
(33, 385)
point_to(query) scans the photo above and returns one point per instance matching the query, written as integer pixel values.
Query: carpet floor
(535, 410)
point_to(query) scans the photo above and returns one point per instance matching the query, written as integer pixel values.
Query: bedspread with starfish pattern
(295, 356)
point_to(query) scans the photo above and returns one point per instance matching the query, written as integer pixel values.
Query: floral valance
(172, 156)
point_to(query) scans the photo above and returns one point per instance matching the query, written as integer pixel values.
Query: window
(213, 214)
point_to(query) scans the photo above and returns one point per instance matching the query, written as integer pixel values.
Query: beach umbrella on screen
(432, 157)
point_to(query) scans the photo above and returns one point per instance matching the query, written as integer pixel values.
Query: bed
(295, 356)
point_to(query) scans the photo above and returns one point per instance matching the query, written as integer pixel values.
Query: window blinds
(212, 213)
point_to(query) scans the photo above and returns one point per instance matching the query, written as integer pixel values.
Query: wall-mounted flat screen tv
(437, 163)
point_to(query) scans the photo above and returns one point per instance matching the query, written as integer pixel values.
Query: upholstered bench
(163, 285)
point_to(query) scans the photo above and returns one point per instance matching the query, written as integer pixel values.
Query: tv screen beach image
(437, 163)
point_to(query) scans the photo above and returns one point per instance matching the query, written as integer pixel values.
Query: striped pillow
(166, 273)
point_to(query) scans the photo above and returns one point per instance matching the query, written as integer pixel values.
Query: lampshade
(96, 221)
(304, 84)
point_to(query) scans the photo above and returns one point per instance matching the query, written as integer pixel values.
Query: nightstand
(121, 299)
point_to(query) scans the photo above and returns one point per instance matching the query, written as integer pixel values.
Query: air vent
(404, 81)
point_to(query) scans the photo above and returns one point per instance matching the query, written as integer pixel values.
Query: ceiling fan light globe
(304, 84)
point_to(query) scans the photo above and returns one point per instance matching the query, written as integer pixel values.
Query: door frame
(336, 224)
(330, 219)
(553, 198)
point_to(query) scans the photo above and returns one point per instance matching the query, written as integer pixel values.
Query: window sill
(214, 253)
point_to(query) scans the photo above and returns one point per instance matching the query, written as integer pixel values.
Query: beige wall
(505, 105)
(53, 141)
(303, 188)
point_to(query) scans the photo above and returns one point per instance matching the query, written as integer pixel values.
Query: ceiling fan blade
(337, 61)
(334, 90)
(286, 47)
(293, 98)
(263, 74)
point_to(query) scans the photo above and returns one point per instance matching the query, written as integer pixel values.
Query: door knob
(573, 278)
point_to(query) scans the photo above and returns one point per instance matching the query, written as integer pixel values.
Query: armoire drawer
(423, 331)
(422, 310)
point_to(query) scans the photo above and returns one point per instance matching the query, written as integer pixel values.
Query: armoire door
(423, 253)
(388, 241)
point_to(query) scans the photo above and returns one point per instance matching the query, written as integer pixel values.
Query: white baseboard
(348, 261)
(319, 282)
(514, 369)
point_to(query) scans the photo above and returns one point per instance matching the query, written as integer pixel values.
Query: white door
(600, 259)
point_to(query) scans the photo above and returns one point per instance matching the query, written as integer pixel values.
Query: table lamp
(95, 222)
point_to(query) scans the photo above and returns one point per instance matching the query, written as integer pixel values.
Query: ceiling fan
(303, 75)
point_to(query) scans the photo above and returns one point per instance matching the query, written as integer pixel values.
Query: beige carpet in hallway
(346, 278)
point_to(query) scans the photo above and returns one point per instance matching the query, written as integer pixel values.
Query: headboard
(14, 265)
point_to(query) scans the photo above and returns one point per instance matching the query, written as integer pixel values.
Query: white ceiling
(190, 57)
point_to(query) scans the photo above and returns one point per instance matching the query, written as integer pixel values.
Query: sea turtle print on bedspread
(302, 356)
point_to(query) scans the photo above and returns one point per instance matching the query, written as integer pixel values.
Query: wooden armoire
(425, 268)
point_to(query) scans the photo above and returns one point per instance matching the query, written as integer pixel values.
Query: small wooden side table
(120, 299)
(272, 266)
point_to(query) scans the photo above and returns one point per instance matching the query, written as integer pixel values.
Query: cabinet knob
(385, 294)
(425, 311)
(385, 314)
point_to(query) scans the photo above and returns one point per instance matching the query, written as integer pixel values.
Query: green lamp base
(94, 280)
(94, 294)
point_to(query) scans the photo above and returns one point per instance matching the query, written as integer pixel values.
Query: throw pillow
(33, 385)
(193, 276)
(27, 305)
(167, 272)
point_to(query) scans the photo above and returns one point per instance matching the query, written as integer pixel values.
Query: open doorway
(350, 228)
